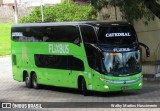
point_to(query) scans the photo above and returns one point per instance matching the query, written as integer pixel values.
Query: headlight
(105, 80)
(102, 79)
(106, 87)
(140, 84)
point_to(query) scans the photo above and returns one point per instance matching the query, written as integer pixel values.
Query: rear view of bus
(121, 67)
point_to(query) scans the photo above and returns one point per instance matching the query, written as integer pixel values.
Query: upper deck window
(45, 34)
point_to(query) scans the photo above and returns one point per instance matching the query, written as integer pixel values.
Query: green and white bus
(89, 56)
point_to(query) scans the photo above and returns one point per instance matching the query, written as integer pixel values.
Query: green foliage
(131, 9)
(62, 12)
(99, 4)
(5, 39)
(35, 16)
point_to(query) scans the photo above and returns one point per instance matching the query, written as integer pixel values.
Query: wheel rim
(82, 86)
(27, 80)
(34, 82)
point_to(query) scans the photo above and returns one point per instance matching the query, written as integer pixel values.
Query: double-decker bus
(89, 56)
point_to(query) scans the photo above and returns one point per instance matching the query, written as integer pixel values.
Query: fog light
(140, 84)
(106, 87)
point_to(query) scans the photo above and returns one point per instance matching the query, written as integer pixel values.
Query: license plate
(124, 87)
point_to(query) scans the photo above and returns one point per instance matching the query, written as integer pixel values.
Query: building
(44, 2)
(149, 35)
(11, 2)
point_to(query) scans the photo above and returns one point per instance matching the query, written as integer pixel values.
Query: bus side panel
(16, 62)
(25, 61)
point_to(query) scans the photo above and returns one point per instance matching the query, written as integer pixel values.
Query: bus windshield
(121, 64)
(117, 35)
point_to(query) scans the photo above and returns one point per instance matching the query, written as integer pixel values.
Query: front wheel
(84, 88)
(34, 82)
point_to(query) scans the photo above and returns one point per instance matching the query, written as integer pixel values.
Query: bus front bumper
(108, 86)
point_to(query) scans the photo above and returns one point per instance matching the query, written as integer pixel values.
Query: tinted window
(46, 34)
(88, 34)
(93, 57)
(51, 61)
(14, 61)
(75, 63)
(27, 34)
(66, 34)
(59, 62)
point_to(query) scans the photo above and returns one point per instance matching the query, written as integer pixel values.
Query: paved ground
(13, 91)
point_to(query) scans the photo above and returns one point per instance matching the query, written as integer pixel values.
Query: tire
(34, 82)
(28, 81)
(84, 88)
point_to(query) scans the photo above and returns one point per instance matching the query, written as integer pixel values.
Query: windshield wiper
(98, 48)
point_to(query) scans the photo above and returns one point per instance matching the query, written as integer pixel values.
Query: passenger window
(66, 34)
(75, 63)
(51, 61)
(28, 34)
(66, 62)
(93, 57)
(88, 34)
(46, 34)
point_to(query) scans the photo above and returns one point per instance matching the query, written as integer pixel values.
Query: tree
(62, 12)
(1, 1)
(153, 6)
(132, 9)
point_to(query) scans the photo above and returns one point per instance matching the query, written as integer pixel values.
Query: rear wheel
(84, 88)
(34, 82)
(28, 81)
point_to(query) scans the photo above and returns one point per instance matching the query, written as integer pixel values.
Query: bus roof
(94, 23)
(106, 23)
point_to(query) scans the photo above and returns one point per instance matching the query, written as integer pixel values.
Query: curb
(152, 79)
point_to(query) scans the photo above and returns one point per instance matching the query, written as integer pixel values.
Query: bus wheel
(34, 81)
(84, 88)
(28, 81)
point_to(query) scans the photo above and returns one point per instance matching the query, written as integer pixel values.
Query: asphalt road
(13, 91)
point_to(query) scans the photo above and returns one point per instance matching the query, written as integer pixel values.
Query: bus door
(96, 68)
(92, 53)
(94, 62)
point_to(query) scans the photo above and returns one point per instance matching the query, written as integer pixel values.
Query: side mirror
(147, 49)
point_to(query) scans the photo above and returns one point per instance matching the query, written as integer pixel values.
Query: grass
(5, 32)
